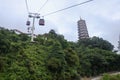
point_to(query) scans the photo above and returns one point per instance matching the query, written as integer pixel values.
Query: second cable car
(28, 23)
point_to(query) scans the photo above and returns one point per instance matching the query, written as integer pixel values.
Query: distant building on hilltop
(82, 29)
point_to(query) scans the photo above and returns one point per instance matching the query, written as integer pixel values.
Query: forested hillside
(51, 57)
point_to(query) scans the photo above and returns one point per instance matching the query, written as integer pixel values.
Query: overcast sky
(102, 17)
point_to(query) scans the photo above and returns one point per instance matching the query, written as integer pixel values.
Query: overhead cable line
(27, 6)
(67, 8)
(43, 5)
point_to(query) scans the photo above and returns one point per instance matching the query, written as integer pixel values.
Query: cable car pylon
(34, 16)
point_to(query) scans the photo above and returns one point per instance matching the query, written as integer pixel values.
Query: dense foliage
(51, 57)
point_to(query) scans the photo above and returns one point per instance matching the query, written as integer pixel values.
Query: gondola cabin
(42, 22)
(28, 23)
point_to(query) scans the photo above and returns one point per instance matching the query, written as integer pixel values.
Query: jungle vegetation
(51, 57)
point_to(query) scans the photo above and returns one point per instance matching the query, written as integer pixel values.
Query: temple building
(82, 29)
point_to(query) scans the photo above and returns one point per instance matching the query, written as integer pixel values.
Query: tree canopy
(52, 57)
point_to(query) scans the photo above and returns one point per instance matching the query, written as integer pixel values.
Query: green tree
(96, 42)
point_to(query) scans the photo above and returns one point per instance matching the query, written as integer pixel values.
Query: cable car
(42, 22)
(28, 23)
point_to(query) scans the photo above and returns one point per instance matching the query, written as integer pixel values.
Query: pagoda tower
(82, 29)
